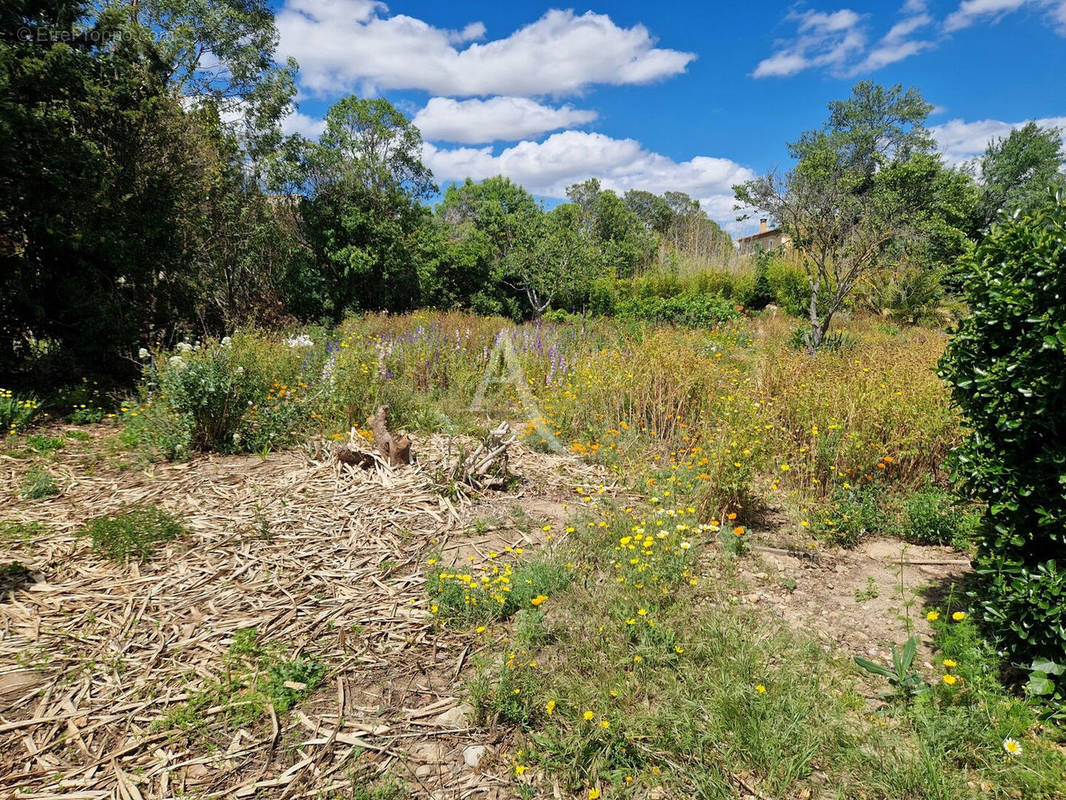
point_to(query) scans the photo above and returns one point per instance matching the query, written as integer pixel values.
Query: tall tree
(852, 192)
(555, 261)
(483, 224)
(1016, 171)
(91, 257)
(366, 179)
(221, 52)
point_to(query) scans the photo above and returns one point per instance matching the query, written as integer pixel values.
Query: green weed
(39, 485)
(132, 534)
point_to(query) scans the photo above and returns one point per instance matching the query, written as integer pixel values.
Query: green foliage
(255, 677)
(132, 534)
(44, 444)
(1017, 170)
(506, 693)
(851, 515)
(303, 672)
(39, 485)
(932, 516)
(240, 395)
(1046, 686)
(687, 310)
(158, 432)
(138, 216)
(789, 285)
(459, 596)
(14, 532)
(860, 195)
(16, 411)
(364, 214)
(1005, 363)
(905, 683)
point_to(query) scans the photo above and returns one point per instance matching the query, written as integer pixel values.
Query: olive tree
(857, 186)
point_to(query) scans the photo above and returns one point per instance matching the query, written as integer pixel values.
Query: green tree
(554, 263)
(852, 192)
(917, 275)
(221, 52)
(1016, 171)
(484, 222)
(96, 161)
(611, 228)
(652, 210)
(365, 179)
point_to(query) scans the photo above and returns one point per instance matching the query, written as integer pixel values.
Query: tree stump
(395, 449)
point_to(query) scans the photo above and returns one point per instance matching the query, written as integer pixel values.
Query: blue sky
(682, 95)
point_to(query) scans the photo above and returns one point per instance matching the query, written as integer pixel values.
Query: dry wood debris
(321, 557)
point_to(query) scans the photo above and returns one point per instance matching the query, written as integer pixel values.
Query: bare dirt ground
(859, 601)
(320, 558)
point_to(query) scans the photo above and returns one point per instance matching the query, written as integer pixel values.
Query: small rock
(457, 717)
(473, 754)
(656, 793)
(428, 752)
(427, 771)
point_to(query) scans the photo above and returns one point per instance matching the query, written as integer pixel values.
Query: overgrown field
(625, 652)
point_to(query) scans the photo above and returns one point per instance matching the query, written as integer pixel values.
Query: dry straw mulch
(321, 558)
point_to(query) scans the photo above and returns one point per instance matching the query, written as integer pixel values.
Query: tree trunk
(814, 338)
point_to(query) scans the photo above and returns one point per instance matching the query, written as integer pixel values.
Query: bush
(790, 287)
(933, 517)
(1007, 366)
(852, 514)
(245, 395)
(16, 412)
(688, 310)
(134, 533)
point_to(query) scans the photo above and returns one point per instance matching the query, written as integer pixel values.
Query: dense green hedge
(690, 310)
(1007, 364)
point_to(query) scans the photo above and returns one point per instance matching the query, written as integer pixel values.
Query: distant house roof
(763, 233)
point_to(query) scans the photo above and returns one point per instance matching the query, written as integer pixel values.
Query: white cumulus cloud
(303, 124)
(961, 141)
(496, 119)
(343, 44)
(547, 168)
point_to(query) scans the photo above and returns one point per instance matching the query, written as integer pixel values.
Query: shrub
(933, 517)
(134, 533)
(16, 411)
(689, 310)
(1007, 366)
(244, 395)
(790, 286)
(852, 514)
